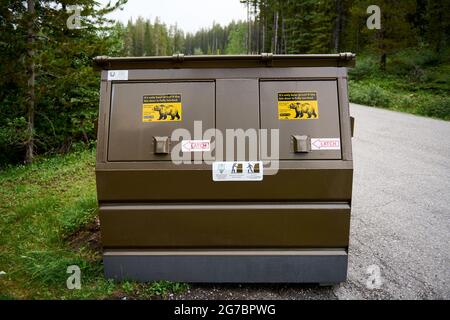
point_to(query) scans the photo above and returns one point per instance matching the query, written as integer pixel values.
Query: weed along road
(400, 240)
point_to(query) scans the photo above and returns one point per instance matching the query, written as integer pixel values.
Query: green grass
(44, 210)
(415, 81)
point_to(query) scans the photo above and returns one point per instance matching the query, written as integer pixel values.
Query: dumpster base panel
(225, 266)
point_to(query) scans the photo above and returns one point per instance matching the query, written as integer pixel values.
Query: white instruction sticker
(195, 145)
(117, 75)
(325, 144)
(237, 171)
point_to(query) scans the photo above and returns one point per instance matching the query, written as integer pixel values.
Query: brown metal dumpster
(225, 168)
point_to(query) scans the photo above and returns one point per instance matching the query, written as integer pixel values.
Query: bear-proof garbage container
(225, 168)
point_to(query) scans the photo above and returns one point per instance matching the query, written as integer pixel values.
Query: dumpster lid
(226, 61)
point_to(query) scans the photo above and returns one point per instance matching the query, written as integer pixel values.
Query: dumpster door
(303, 109)
(142, 113)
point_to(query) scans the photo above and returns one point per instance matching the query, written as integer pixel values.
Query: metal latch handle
(161, 145)
(302, 144)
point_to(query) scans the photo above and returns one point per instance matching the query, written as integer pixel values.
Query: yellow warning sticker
(161, 108)
(298, 105)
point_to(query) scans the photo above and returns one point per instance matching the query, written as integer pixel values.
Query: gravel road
(400, 225)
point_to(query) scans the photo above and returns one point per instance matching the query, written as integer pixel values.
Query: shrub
(412, 62)
(369, 94)
(435, 107)
(365, 67)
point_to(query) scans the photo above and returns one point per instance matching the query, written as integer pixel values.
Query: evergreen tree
(437, 29)
(236, 40)
(55, 87)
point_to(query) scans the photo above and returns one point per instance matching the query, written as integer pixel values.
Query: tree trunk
(283, 36)
(275, 32)
(438, 46)
(382, 50)
(263, 41)
(248, 29)
(358, 32)
(338, 26)
(29, 144)
(383, 61)
(258, 33)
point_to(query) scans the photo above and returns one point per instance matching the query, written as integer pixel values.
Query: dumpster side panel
(197, 185)
(226, 225)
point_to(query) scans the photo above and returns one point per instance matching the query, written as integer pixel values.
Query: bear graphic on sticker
(302, 109)
(165, 111)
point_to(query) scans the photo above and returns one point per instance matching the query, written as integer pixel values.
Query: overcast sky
(190, 15)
